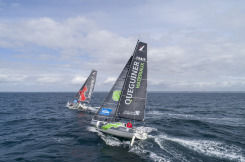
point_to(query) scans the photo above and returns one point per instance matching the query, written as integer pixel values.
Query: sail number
(140, 58)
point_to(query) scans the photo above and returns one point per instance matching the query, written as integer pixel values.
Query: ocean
(181, 126)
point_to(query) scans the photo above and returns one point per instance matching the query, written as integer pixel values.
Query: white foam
(141, 151)
(209, 148)
(155, 157)
(171, 150)
(137, 148)
(158, 114)
(62, 139)
(92, 129)
(146, 129)
(93, 109)
(113, 141)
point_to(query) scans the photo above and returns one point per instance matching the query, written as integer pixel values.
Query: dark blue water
(182, 127)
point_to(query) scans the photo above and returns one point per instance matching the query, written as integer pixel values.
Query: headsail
(108, 108)
(85, 92)
(133, 98)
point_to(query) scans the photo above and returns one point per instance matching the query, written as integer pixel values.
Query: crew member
(129, 125)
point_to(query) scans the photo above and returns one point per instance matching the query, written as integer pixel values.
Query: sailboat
(127, 99)
(83, 97)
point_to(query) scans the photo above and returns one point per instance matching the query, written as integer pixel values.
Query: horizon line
(220, 91)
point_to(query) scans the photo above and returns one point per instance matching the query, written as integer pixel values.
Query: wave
(209, 148)
(229, 121)
(146, 129)
(92, 129)
(137, 147)
(143, 152)
(62, 139)
(170, 152)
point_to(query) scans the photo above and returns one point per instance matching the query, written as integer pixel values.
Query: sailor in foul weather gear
(129, 125)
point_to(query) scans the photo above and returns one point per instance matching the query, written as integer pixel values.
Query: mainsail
(133, 98)
(85, 92)
(127, 97)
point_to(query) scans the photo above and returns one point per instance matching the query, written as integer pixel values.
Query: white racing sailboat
(83, 97)
(127, 99)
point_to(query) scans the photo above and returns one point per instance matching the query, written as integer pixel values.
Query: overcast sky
(52, 45)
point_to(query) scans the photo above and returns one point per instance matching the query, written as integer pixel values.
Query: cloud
(45, 32)
(110, 80)
(78, 80)
(12, 78)
(72, 39)
(191, 46)
(48, 80)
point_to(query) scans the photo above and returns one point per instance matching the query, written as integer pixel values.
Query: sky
(52, 45)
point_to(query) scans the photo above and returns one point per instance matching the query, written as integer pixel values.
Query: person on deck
(129, 125)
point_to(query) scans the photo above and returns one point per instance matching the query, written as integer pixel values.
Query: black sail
(85, 92)
(133, 99)
(108, 108)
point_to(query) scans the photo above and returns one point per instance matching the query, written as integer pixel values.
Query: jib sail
(108, 108)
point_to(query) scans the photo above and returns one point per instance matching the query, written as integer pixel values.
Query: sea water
(198, 126)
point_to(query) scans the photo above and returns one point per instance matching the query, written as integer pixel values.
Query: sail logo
(140, 75)
(105, 111)
(131, 112)
(82, 94)
(132, 82)
(141, 49)
(116, 95)
(140, 58)
(91, 88)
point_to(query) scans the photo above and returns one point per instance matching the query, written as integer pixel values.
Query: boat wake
(146, 129)
(144, 152)
(138, 148)
(209, 148)
(172, 148)
(237, 122)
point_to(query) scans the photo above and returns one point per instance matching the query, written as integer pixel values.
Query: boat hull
(119, 130)
(72, 105)
(82, 106)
